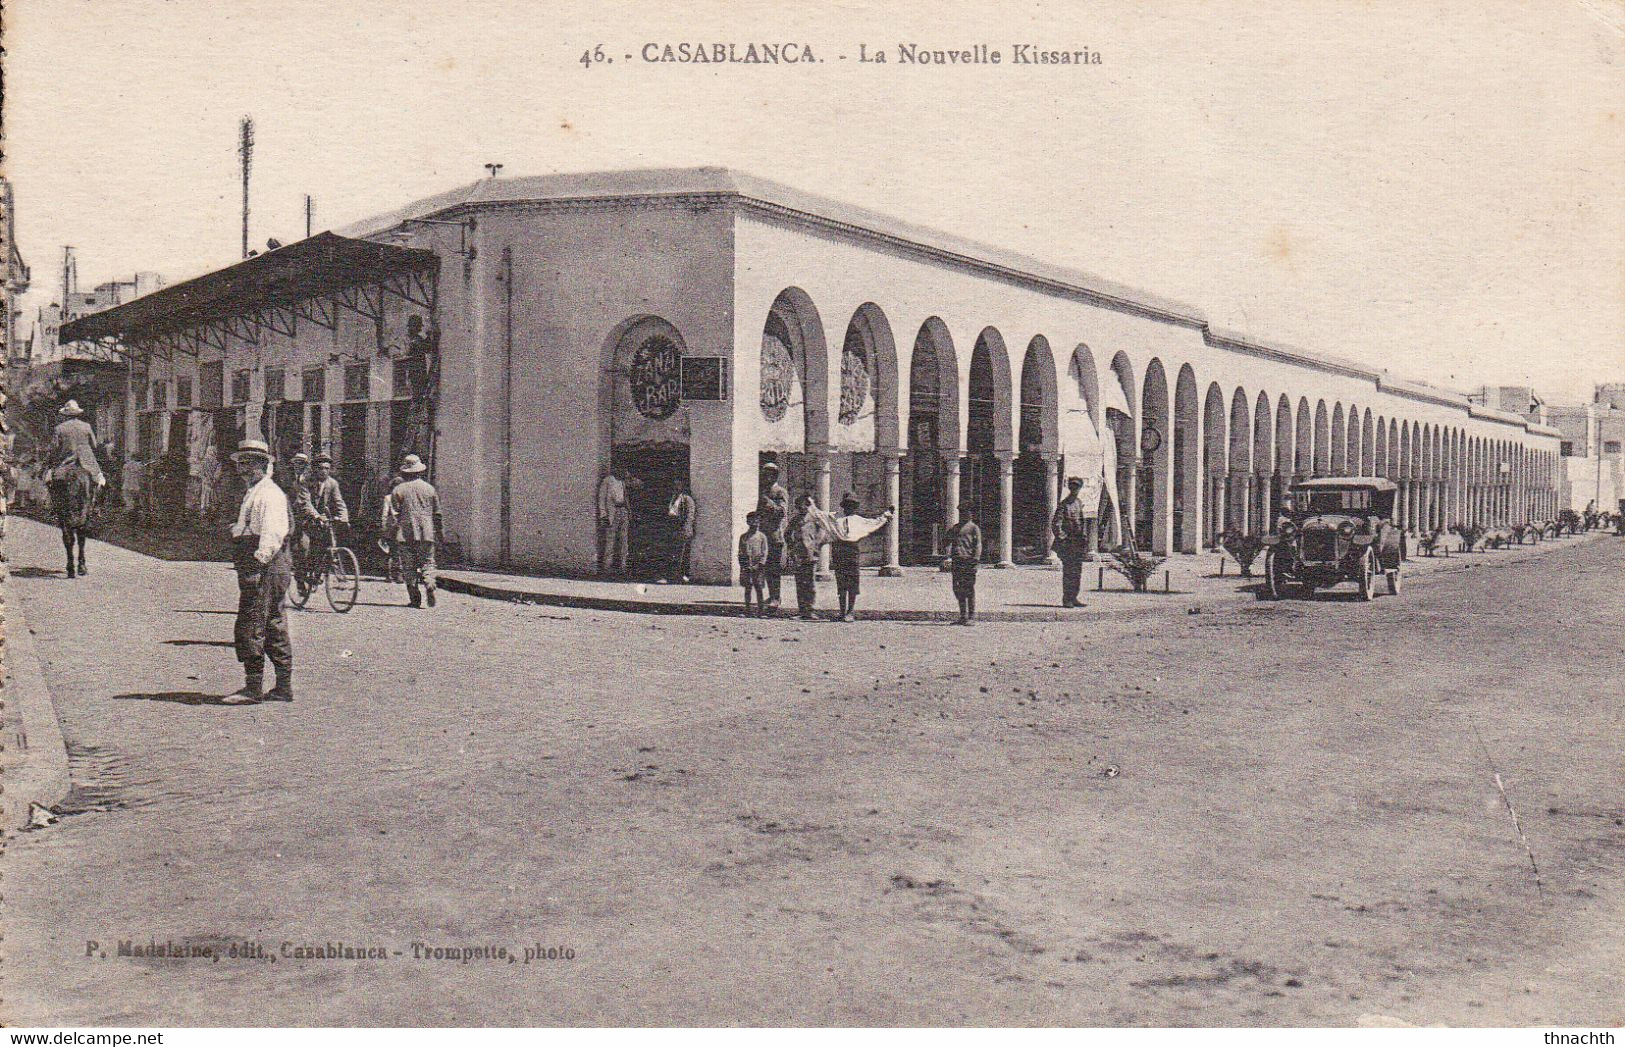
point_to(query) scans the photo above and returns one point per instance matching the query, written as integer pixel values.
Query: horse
(73, 500)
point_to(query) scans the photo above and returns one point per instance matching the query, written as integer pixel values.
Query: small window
(211, 383)
(276, 384)
(183, 392)
(1610, 447)
(138, 388)
(314, 382)
(160, 398)
(357, 381)
(239, 387)
(1566, 449)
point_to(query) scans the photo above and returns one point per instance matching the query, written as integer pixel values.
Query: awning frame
(309, 280)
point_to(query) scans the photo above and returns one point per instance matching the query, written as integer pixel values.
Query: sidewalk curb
(1159, 603)
(36, 761)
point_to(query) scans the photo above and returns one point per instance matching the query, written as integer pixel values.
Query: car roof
(1364, 483)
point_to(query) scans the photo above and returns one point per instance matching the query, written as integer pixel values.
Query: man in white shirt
(264, 571)
(612, 524)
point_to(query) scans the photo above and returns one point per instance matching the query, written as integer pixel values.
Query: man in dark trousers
(264, 569)
(1071, 529)
(773, 512)
(412, 519)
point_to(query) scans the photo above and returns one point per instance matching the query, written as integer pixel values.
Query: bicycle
(335, 569)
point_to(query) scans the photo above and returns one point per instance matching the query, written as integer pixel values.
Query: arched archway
(1239, 482)
(648, 442)
(1215, 465)
(1154, 499)
(865, 434)
(793, 399)
(1323, 448)
(1304, 451)
(1379, 465)
(1286, 455)
(1263, 465)
(1339, 448)
(1038, 442)
(1187, 463)
(1120, 435)
(1369, 456)
(986, 486)
(929, 500)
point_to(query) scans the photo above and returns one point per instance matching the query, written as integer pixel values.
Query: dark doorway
(651, 472)
(924, 494)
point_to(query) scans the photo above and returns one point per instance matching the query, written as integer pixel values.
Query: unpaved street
(1260, 814)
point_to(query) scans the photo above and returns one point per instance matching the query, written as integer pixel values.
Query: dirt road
(1259, 814)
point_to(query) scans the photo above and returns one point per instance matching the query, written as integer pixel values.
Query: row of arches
(939, 431)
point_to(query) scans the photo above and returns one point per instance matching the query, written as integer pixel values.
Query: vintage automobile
(1336, 529)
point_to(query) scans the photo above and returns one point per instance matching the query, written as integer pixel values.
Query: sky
(1434, 188)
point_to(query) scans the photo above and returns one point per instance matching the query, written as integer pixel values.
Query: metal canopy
(323, 265)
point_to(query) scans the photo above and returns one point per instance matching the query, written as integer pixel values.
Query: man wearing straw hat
(412, 520)
(264, 570)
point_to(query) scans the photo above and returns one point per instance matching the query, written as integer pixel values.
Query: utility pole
(245, 150)
(308, 211)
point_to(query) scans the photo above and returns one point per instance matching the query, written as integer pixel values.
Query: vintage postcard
(741, 514)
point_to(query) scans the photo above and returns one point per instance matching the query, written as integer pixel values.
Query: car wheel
(1393, 583)
(1368, 575)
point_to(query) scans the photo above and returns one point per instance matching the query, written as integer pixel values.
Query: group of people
(777, 538)
(274, 547)
(615, 527)
(274, 535)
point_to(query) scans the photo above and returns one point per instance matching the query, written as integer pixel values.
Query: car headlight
(1346, 528)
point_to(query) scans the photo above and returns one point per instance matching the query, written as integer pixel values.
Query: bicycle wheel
(343, 580)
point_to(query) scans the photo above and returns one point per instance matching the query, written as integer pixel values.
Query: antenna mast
(245, 150)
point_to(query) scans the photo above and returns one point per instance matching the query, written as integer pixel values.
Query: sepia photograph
(1010, 515)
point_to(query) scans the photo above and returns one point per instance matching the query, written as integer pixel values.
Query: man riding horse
(76, 480)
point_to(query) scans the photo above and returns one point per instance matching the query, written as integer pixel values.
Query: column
(1401, 506)
(1007, 513)
(821, 465)
(1052, 481)
(1221, 507)
(894, 467)
(1129, 491)
(950, 488)
(1245, 486)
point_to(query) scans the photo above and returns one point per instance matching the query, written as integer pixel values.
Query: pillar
(1244, 487)
(950, 488)
(1007, 510)
(894, 467)
(821, 488)
(1220, 483)
(1052, 483)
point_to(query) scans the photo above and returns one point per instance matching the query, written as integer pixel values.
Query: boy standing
(964, 554)
(753, 557)
(844, 551)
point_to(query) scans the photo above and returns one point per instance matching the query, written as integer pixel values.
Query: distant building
(91, 373)
(46, 346)
(1592, 462)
